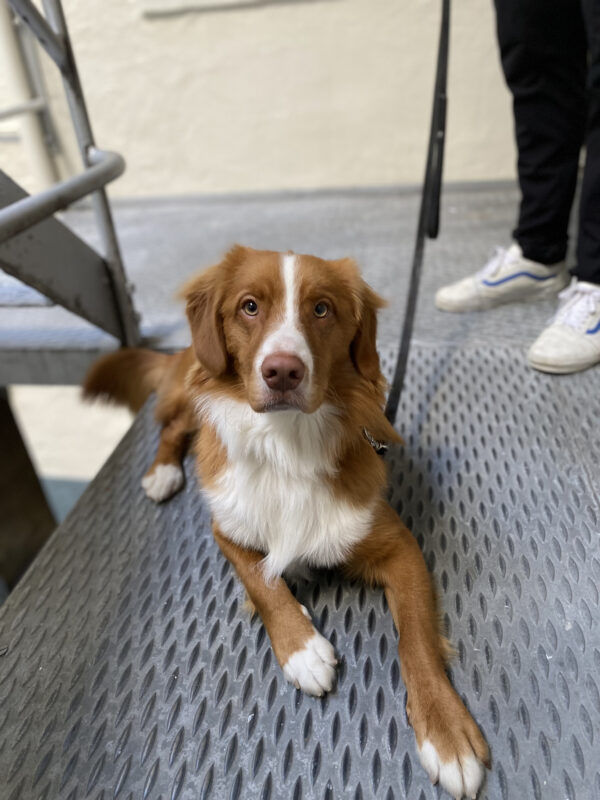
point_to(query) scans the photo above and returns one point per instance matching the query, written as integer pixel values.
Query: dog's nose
(282, 371)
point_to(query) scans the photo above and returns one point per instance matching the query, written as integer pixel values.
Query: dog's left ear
(363, 348)
(203, 296)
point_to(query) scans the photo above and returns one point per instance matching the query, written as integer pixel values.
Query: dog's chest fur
(274, 494)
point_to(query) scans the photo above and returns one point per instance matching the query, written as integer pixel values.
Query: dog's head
(283, 326)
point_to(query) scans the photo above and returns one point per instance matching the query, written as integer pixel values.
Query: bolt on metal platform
(128, 665)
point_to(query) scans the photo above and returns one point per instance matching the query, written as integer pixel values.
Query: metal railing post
(24, 101)
(53, 35)
(85, 139)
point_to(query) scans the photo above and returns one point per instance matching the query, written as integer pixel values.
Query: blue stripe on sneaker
(520, 275)
(594, 330)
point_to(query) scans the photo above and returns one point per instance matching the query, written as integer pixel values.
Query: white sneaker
(572, 340)
(505, 278)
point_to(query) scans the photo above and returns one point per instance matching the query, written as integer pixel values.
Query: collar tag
(379, 447)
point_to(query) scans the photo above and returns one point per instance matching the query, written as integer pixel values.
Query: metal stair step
(132, 668)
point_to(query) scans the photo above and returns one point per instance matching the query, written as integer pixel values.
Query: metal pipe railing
(52, 33)
(14, 219)
(52, 42)
(20, 90)
(27, 107)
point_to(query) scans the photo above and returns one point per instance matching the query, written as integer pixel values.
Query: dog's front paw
(312, 668)
(450, 745)
(162, 482)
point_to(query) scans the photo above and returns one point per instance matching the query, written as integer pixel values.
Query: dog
(282, 394)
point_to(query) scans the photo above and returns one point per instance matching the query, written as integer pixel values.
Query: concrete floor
(68, 440)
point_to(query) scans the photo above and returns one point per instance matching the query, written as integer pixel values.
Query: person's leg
(572, 341)
(543, 53)
(588, 245)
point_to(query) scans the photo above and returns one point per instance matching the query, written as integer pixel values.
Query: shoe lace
(577, 302)
(498, 257)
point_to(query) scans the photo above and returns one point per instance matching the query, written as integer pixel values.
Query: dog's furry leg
(450, 745)
(175, 415)
(165, 476)
(307, 658)
(128, 377)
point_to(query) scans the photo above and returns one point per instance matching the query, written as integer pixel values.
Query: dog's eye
(321, 310)
(250, 307)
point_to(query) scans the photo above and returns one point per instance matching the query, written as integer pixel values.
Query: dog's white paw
(312, 668)
(162, 482)
(460, 777)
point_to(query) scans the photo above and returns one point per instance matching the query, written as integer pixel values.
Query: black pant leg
(588, 245)
(543, 53)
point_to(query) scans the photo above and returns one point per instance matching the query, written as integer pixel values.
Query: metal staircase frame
(108, 303)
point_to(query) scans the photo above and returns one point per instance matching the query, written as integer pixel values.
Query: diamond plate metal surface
(133, 671)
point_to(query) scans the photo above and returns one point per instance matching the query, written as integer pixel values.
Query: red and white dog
(282, 390)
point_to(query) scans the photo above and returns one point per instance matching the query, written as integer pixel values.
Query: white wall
(292, 95)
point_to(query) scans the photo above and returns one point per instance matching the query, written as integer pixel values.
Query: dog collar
(379, 447)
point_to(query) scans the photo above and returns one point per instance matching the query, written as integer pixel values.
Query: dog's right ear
(203, 296)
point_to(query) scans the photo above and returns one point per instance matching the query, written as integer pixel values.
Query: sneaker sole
(462, 308)
(561, 369)
(487, 303)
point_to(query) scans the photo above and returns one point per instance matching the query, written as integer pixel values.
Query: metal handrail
(52, 42)
(30, 210)
(27, 107)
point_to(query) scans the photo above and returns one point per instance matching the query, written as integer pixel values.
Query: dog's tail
(126, 377)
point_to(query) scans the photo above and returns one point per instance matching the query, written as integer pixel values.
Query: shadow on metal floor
(132, 670)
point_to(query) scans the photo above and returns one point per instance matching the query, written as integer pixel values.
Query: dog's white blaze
(312, 668)
(273, 495)
(460, 778)
(287, 336)
(289, 266)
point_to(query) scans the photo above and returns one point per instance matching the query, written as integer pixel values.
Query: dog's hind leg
(307, 658)
(450, 744)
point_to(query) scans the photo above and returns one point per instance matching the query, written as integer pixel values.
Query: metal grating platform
(132, 671)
